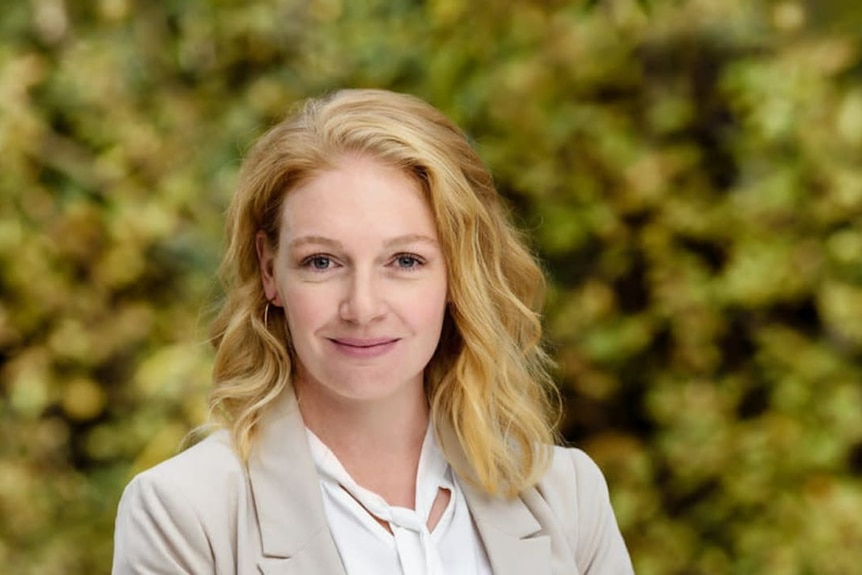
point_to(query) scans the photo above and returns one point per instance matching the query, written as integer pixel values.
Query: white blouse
(366, 547)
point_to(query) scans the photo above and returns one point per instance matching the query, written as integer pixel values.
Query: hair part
(488, 381)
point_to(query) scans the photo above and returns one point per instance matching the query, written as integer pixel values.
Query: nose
(363, 301)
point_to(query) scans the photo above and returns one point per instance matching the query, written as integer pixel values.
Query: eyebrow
(335, 244)
(409, 239)
(315, 240)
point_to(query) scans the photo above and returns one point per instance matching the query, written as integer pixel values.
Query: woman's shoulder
(181, 515)
(575, 489)
(209, 471)
(573, 482)
(213, 454)
(572, 469)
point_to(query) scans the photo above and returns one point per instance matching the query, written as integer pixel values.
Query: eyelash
(308, 262)
(418, 261)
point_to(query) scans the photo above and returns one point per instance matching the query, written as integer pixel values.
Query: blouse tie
(414, 544)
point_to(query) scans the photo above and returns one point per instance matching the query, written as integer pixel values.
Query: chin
(369, 386)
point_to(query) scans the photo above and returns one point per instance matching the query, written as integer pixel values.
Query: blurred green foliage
(690, 170)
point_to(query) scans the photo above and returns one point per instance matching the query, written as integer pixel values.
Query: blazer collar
(514, 539)
(294, 533)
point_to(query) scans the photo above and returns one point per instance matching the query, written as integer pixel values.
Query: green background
(688, 170)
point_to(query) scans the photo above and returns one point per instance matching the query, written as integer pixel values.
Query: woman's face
(362, 279)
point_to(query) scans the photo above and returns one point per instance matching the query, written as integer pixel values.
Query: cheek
(304, 309)
(428, 308)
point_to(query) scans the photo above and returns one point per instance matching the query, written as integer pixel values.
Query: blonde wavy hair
(487, 384)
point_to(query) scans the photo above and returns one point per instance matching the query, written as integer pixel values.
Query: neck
(378, 441)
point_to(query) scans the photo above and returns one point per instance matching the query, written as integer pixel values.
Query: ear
(266, 261)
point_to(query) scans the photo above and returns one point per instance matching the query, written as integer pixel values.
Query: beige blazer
(204, 512)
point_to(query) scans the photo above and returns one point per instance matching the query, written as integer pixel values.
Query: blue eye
(408, 261)
(318, 263)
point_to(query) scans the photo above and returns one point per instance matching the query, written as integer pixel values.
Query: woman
(379, 374)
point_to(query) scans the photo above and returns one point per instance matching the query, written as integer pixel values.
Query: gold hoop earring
(266, 317)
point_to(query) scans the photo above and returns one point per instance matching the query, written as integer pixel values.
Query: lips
(357, 342)
(362, 347)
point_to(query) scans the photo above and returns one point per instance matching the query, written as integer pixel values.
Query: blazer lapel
(294, 532)
(513, 539)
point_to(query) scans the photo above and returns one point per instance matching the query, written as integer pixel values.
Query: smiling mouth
(364, 349)
(363, 343)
